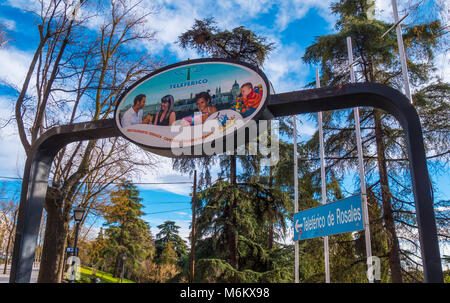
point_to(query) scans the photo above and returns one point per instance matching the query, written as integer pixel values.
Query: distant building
(235, 90)
(225, 100)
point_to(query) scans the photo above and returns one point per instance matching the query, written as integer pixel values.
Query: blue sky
(291, 25)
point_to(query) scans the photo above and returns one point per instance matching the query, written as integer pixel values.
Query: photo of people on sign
(188, 96)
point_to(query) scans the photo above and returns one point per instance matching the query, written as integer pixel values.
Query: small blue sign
(329, 219)
(70, 250)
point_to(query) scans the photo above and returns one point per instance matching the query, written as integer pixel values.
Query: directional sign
(332, 218)
(70, 250)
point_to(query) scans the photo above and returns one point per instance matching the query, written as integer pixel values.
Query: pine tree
(168, 254)
(127, 232)
(239, 44)
(379, 63)
(96, 250)
(168, 233)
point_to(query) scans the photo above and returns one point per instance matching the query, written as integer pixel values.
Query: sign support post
(360, 159)
(323, 184)
(296, 248)
(401, 51)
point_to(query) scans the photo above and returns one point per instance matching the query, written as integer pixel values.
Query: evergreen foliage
(126, 233)
(243, 219)
(391, 208)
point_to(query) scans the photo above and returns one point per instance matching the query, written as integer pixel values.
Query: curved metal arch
(34, 188)
(38, 164)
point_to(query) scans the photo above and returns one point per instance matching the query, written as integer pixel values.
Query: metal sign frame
(37, 167)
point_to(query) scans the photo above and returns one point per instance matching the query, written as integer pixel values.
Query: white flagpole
(360, 158)
(323, 184)
(294, 117)
(401, 51)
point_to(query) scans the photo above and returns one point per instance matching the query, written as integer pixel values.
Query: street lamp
(78, 214)
(124, 258)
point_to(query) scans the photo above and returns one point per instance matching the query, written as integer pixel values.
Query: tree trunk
(388, 218)
(58, 206)
(56, 229)
(193, 235)
(118, 263)
(271, 223)
(118, 266)
(7, 253)
(10, 239)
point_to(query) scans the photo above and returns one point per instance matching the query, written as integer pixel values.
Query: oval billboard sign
(180, 107)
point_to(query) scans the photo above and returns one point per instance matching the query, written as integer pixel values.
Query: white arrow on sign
(297, 226)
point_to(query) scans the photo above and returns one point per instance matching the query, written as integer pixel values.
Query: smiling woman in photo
(204, 105)
(204, 110)
(166, 116)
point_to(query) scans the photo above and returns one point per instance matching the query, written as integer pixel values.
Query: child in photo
(249, 99)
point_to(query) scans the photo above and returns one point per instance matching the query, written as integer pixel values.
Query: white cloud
(182, 213)
(184, 229)
(289, 11)
(175, 17)
(413, 235)
(383, 10)
(9, 24)
(162, 173)
(306, 128)
(285, 68)
(443, 66)
(248, 8)
(14, 65)
(418, 10)
(12, 154)
(169, 21)
(25, 4)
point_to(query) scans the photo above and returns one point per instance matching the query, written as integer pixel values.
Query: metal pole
(193, 235)
(394, 25)
(76, 239)
(401, 51)
(296, 249)
(75, 253)
(360, 160)
(323, 184)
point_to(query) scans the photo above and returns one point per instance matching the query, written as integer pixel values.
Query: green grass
(86, 275)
